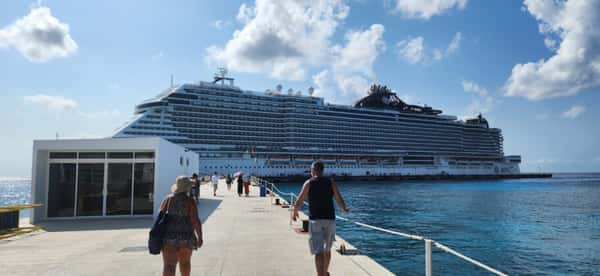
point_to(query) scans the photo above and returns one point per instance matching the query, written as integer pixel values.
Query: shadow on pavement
(206, 207)
(96, 224)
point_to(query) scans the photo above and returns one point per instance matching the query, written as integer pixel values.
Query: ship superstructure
(276, 133)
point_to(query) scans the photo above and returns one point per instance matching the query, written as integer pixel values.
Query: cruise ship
(279, 133)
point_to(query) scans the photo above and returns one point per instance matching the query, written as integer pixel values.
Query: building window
(144, 155)
(118, 199)
(63, 155)
(92, 155)
(61, 190)
(120, 155)
(90, 184)
(143, 189)
(181, 161)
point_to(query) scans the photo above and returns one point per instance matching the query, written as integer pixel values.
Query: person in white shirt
(215, 183)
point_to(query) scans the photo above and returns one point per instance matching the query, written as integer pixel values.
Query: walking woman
(228, 180)
(240, 185)
(184, 229)
(247, 186)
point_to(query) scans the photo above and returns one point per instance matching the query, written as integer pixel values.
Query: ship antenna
(171, 80)
(221, 76)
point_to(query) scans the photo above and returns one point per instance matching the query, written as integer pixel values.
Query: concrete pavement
(242, 236)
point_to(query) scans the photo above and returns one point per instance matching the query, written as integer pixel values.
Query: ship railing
(429, 243)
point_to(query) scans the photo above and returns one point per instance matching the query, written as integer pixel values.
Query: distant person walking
(240, 185)
(246, 185)
(228, 180)
(215, 183)
(184, 229)
(195, 191)
(320, 191)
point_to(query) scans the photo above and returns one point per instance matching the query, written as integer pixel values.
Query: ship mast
(221, 76)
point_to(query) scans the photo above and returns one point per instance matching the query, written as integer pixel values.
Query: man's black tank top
(320, 198)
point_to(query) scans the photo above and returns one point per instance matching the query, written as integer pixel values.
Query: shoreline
(456, 177)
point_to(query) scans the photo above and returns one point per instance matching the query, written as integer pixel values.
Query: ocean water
(521, 227)
(15, 191)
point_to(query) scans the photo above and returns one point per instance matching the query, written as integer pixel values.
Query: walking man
(321, 227)
(215, 183)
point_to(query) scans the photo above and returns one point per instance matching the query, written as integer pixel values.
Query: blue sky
(532, 67)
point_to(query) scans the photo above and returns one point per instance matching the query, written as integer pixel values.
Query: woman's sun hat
(182, 184)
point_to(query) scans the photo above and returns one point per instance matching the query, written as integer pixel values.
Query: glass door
(143, 189)
(118, 187)
(90, 184)
(61, 189)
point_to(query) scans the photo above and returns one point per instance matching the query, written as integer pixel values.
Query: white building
(109, 177)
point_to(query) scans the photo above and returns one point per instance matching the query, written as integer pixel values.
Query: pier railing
(429, 243)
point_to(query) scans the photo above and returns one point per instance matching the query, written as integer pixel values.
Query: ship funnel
(278, 88)
(290, 91)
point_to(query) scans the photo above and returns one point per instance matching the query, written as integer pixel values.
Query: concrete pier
(242, 236)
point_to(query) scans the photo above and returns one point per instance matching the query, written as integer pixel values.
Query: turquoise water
(16, 191)
(521, 227)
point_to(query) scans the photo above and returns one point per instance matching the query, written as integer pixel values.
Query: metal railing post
(427, 257)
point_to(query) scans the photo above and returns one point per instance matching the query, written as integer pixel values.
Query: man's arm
(300, 199)
(338, 197)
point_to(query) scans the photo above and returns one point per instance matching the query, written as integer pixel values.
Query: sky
(76, 69)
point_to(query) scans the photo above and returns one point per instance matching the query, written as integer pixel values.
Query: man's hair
(318, 166)
(194, 175)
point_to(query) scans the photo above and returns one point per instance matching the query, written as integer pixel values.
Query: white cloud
(281, 38)
(360, 51)
(351, 66)
(245, 13)
(454, 44)
(425, 9)
(469, 86)
(573, 112)
(413, 50)
(220, 24)
(62, 104)
(572, 33)
(482, 102)
(39, 36)
(53, 103)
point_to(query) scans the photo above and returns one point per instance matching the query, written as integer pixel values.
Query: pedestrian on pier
(246, 185)
(228, 180)
(215, 183)
(195, 190)
(240, 185)
(183, 231)
(321, 227)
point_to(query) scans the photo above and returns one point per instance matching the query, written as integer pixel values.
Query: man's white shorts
(321, 235)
